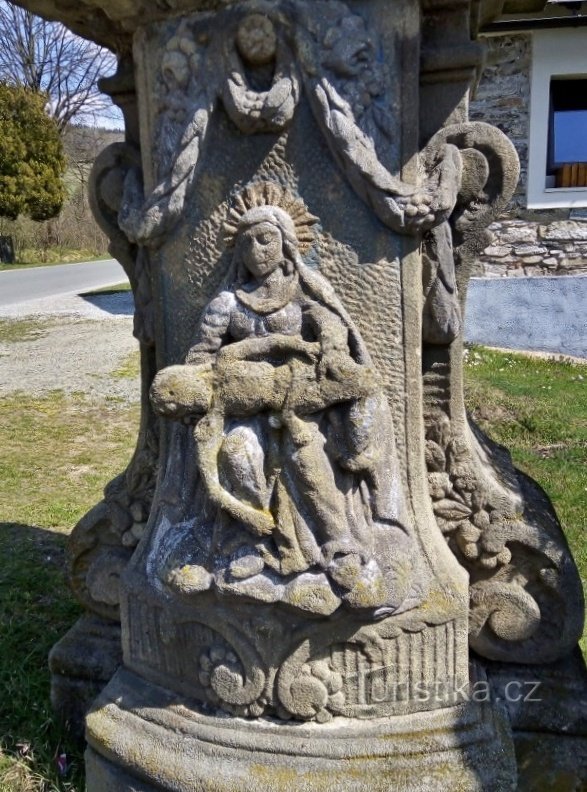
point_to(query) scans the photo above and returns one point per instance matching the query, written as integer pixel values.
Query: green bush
(32, 163)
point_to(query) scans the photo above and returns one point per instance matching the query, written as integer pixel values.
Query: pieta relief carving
(295, 495)
(298, 496)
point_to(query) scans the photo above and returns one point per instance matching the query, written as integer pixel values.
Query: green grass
(120, 287)
(14, 331)
(130, 368)
(36, 609)
(537, 407)
(57, 454)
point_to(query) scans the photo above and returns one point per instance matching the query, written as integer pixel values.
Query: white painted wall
(554, 53)
(541, 314)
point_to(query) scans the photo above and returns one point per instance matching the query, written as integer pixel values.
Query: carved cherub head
(348, 47)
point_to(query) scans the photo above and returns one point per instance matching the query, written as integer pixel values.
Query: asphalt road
(34, 283)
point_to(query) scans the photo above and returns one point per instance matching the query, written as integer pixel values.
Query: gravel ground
(78, 346)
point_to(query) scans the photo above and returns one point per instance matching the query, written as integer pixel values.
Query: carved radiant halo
(268, 193)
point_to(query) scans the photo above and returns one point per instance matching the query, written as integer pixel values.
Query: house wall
(526, 242)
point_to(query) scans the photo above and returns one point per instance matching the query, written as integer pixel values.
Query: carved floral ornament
(276, 571)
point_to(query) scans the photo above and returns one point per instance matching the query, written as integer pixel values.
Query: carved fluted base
(467, 747)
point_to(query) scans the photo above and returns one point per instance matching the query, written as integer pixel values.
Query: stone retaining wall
(523, 247)
(527, 242)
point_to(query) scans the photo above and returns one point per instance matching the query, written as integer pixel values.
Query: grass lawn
(15, 331)
(117, 289)
(537, 408)
(59, 451)
(57, 454)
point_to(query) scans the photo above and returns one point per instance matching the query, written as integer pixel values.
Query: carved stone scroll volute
(103, 541)
(291, 507)
(526, 596)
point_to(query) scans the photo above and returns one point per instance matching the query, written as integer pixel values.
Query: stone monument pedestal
(311, 540)
(465, 747)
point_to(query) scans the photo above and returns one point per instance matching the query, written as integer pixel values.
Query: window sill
(559, 198)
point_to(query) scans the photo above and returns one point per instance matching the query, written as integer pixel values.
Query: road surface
(36, 283)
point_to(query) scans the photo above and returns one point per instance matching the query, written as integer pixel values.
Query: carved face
(260, 248)
(349, 48)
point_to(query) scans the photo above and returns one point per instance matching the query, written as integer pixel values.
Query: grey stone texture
(502, 97)
(312, 554)
(223, 754)
(525, 242)
(542, 314)
(535, 247)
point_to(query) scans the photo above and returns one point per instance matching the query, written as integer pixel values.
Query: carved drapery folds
(309, 529)
(293, 437)
(255, 76)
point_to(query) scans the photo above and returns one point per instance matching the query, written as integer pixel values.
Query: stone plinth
(310, 537)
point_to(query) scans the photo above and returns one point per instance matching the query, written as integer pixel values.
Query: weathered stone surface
(529, 250)
(564, 232)
(81, 665)
(514, 248)
(547, 761)
(327, 536)
(503, 98)
(184, 751)
(497, 251)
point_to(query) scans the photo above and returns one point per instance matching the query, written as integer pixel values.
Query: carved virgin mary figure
(293, 434)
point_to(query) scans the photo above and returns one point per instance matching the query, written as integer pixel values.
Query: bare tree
(46, 56)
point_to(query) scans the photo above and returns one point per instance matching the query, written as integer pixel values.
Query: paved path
(35, 283)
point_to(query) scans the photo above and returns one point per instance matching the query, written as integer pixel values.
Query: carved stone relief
(526, 602)
(298, 668)
(103, 541)
(275, 451)
(299, 495)
(287, 512)
(308, 512)
(293, 437)
(252, 68)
